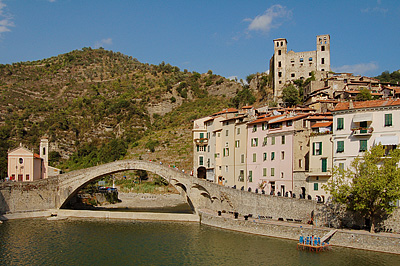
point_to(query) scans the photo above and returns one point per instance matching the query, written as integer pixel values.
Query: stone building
(289, 66)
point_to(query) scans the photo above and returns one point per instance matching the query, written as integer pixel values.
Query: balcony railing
(201, 141)
(362, 131)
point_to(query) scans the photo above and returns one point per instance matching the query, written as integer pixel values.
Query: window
(237, 143)
(44, 149)
(322, 61)
(263, 126)
(226, 132)
(238, 131)
(279, 52)
(226, 152)
(315, 186)
(341, 166)
(241, 176)
(21, 161)
(265, 142)
(242, 158)
(277, 44)
(317, 148)
(264, 156)
(264, 171)
(283, 140)
(340, 123)
(340, 146)
(292, 75)
(280, 74)
(202, 135)
(310, 59)
(282, 175)
(201, 160)
(323, 48)
(282, 155)
(27, 177)
(364, 124)
(208, 162)
(250, 176)
(289, 123)
(324, 165)
(279, 64)
(273, 140)
(272, 171)
(254, 157)
(272, 156)
(254, 128)
(254, 142)
(217, 155)
(388, 120)
(208, 148)
(363, 145)
(301, 60)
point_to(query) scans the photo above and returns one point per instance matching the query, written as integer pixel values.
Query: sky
(230, 37)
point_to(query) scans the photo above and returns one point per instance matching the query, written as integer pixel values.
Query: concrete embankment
(179, 217)
(382, 242)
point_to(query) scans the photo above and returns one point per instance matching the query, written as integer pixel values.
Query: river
(120, 242)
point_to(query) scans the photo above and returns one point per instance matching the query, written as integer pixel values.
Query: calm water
(105, 242)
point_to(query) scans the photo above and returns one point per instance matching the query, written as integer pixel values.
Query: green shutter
(340, 146)
(388, 120)
(320, 148)
(363, 145)
(272, 156)
(340, 123)
(313, 148)
(315, 186)
(201, 135)
(324, 165)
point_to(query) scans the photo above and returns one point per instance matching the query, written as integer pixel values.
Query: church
(25, 165)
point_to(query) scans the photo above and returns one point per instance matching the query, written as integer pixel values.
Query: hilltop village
(290, 151)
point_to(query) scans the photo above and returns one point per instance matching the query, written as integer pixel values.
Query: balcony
(362, 131)
(201, 141)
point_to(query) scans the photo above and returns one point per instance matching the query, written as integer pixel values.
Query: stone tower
(44, 154)
(323, 53)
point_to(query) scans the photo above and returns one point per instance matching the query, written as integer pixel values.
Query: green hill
(97, 106)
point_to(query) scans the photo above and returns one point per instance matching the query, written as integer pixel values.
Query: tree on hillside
(370, 186)
(364, 95)
(243, 97)
(393, 77)
(290, 95)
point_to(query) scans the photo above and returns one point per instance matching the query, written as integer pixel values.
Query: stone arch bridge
(55, 192)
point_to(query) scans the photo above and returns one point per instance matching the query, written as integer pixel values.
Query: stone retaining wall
(381, 242)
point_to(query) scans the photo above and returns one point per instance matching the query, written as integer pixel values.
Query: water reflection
(102, 242)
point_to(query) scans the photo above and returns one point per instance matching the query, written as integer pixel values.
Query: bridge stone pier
(200, 194)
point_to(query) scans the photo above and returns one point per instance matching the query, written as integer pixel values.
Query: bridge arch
(70, 183)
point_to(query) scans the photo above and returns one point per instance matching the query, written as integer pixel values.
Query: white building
(359, 125)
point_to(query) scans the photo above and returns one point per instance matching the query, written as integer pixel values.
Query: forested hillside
(97, 106)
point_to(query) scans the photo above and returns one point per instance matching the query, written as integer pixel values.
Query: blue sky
(232, 38)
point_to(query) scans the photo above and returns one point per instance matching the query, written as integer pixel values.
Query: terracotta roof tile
(367, 104)
(322, 124)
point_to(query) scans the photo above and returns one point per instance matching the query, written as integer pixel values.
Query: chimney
(351, 105)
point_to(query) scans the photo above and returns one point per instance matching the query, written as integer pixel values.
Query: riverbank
(381, 242)
(178, 217)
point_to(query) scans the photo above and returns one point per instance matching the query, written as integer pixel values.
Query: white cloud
(103, 42)
(358, 69)
(5, 19)
(375, 9)
(272, 18)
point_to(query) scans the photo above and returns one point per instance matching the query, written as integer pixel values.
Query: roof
(367, 104)
(299, 116)
(322, 124)
(225, 111)
(247, 107)
(264, 119)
